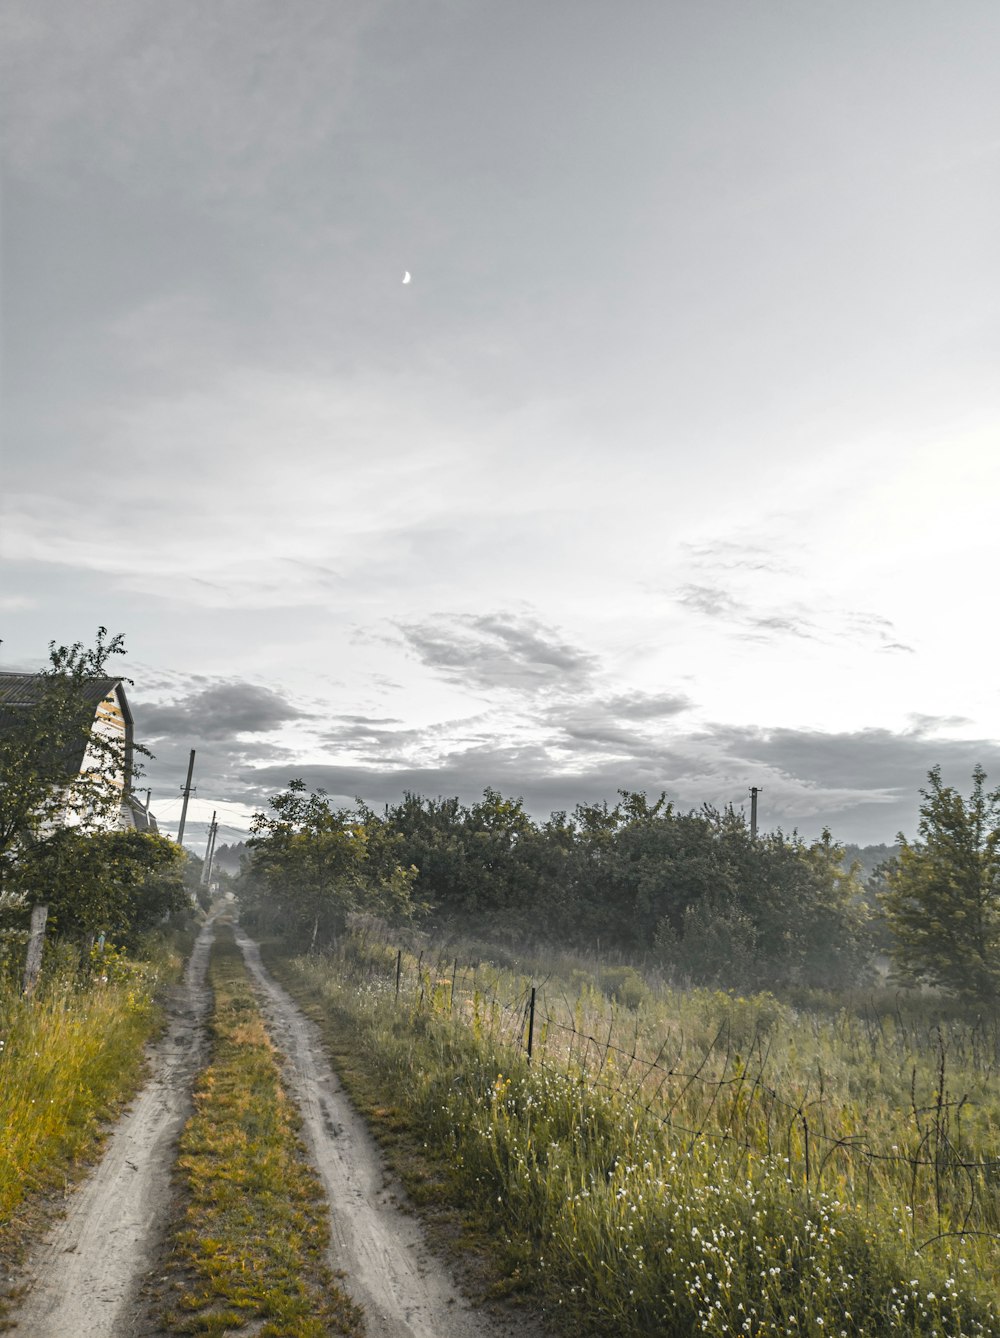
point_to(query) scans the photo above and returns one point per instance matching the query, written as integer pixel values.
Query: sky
(675, 466)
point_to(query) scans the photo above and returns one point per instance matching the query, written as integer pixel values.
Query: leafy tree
(639, 876)
(41, 744)
(311, 865)
(432, 840)
(114, 882)
(482, 862)
(779, 912)
(942, 901)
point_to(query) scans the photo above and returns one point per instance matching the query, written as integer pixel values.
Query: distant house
(112, 721)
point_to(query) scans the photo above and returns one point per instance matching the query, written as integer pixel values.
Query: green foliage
(312, 865)
(624, 985)
(40, 749)
(775, 1173)
(943, 896)
(481, 860)
(58, 839)
(120, 882)
(69, 1056)
(713, 905)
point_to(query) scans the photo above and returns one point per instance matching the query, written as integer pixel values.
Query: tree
(311, 865)
(478, 864)
(42, 787)
(772, 911)
(119, 882)
(942, 900)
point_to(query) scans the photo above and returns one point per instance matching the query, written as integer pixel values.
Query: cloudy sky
(676, 466)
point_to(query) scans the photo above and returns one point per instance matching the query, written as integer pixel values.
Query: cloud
(221, 711)
(735, 555)
(875, 627)
(809, 621)
(646, 706)
(864, 785)
(500, 651)
(932, 724)
(609, 739)
(371, 739)
(884, 764)
(765, 627)
(711, 600)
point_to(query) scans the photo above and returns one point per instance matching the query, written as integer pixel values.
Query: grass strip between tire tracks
(249, 1249)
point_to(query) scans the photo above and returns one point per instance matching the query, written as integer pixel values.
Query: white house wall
(109, 725)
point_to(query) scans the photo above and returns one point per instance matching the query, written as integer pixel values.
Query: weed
(250, 1248)
(696, 1163)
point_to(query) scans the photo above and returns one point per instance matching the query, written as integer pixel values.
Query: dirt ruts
(84, 1278)
(404, 1289)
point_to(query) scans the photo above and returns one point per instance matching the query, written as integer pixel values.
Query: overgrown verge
(248, 1253)
(71, 1055)
(616, 1221)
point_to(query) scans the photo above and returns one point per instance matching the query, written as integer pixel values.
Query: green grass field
(690, 1162)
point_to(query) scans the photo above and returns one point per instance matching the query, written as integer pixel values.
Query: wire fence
(722, 1097)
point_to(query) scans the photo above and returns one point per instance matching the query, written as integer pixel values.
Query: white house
(112, 722)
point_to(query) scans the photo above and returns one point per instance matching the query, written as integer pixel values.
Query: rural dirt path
(405, 1290)
(84, 1277)
(83, 1280)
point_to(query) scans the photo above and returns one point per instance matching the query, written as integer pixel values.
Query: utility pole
(206, 868)
(186, 787)
(754, 792)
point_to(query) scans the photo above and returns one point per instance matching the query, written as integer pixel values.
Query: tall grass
(700, 1163)
(69, 1056)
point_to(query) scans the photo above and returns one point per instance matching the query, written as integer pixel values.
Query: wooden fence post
(36, 941)
(399, 968)
(531, 1023)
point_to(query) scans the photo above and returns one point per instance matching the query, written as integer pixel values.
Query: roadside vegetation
(700, 1163)
(249, 1250)
(71, 1055)
(684, 1152)
(94, 920)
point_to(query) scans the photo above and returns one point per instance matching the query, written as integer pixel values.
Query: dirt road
(85, 1276)
(404, 1289)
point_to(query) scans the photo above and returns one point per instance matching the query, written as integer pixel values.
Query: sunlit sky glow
(675, 466)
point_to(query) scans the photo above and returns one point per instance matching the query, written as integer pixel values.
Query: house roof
(19, 692)
(23, 689)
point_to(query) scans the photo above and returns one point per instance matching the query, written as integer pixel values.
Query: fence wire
(794, 1128)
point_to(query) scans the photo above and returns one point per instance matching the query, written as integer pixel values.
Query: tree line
(691, 891)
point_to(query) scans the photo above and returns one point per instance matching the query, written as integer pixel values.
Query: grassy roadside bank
(71, 1057)
(248, 1252)
(577, 1194)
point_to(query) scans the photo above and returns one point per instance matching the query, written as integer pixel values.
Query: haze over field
(674, 466)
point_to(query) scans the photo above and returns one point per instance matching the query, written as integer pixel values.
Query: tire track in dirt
(84, 1277)
(405, 1290)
